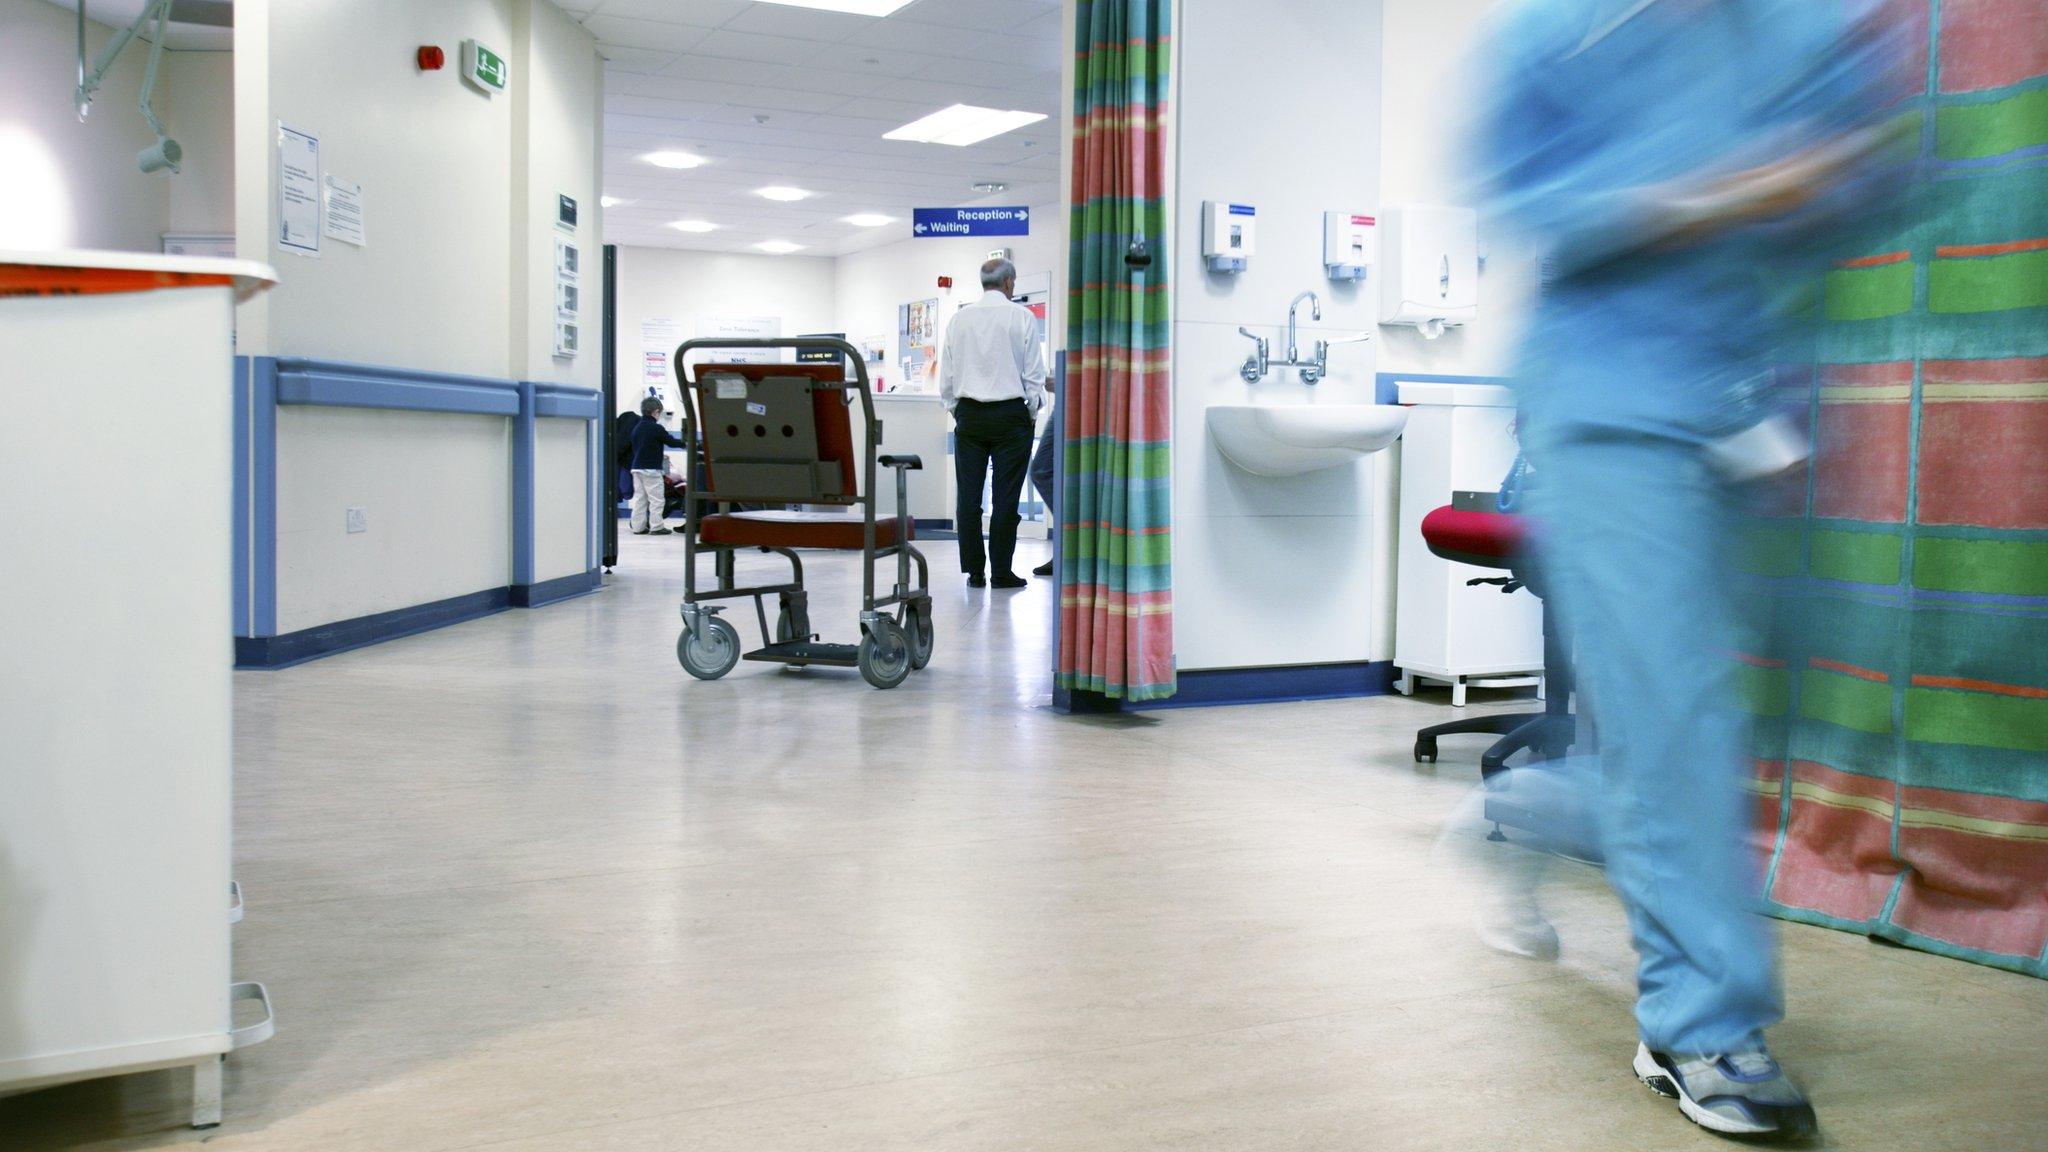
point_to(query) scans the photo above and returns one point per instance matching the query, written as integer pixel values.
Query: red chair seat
(774, 529)
(1487, 539)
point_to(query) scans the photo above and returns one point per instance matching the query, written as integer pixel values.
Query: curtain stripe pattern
(1901, 693)
(1116, 579)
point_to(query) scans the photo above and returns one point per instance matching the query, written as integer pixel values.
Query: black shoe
(1011, 582)
(1044, 569)
(976, 580)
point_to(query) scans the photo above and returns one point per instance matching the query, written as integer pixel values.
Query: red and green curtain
(1116, 578)
(1902, 688)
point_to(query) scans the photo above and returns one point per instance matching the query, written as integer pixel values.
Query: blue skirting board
(1209, 687)
(271, 652)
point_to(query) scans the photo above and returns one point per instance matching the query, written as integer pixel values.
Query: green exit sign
(483, 67)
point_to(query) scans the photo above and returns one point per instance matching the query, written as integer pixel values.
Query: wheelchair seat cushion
(776, 529)
(1486, 539)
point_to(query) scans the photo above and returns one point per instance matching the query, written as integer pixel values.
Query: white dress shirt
(992, 353)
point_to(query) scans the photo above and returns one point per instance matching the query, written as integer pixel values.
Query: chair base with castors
(781, 434)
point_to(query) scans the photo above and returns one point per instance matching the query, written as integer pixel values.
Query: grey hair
(996, 271)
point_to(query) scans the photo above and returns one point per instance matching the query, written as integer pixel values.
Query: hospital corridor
(1054, 575)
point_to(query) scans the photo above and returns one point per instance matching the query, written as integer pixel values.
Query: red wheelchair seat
(777, 529)
(1485, 539)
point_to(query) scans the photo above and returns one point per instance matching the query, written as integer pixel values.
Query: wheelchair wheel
(711, 654)
(884, 654)
(792, 625)
(917, 622)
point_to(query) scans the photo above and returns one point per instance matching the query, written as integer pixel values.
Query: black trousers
(990, 434)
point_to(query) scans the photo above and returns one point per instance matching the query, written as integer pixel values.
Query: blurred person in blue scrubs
(1667, 157)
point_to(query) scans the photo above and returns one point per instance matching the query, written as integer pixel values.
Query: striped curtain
(1116, 578)
(1902, 693)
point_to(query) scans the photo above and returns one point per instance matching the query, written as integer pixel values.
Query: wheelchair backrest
(776, 433)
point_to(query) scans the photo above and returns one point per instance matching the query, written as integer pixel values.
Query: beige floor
(522, 885)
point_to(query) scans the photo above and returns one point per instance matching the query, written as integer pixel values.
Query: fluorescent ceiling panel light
(784, 194)
(779, 247)
(609, 201)
(693, 226)
(673, 159)
(869, 220)
(856, 7)
(963, 124)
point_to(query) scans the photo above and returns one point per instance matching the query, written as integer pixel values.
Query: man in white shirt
(992, 379)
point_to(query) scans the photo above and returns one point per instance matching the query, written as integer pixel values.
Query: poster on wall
(917, 349)
(298, 190)
(345, 211)
(659, 336)
(741, 328)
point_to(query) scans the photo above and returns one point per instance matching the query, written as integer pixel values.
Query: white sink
(1289, 439)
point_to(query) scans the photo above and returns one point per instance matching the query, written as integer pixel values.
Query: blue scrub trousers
(1635, 540)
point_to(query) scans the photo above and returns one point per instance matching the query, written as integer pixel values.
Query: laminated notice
(732, 388)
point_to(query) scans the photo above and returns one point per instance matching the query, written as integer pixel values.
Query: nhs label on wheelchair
(971, 221)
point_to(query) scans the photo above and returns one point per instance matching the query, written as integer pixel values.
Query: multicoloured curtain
(1116, 579)
(1902, 692)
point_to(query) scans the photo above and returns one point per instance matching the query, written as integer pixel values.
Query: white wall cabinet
(115, 658)
(1459, 439)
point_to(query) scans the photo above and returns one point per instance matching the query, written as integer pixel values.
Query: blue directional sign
(971, 221)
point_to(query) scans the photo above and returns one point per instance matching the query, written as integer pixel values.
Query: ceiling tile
(927, 40)
(801, 23)
(771, 49)
(986, 15)
(703, 13)
(619, 58)
(645, 33)
(1024, 51)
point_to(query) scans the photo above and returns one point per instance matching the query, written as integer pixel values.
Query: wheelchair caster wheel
(917, 623)
(1425, 749)
(884, 654)
(711, 652)
(792, 625)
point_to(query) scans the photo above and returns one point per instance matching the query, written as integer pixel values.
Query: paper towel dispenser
(1429, 266)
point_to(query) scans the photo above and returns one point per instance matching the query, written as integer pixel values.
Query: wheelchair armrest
(914, 463)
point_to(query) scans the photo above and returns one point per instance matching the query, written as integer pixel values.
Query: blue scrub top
(1595, 100)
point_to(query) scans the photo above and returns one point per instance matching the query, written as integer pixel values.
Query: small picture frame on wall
(568, 259)
(567, 336)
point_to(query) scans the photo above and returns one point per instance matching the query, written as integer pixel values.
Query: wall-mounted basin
(1289, 439)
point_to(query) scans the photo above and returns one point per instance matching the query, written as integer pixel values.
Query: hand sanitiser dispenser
(1347, 244)
(1429, 267)
(1229, 234)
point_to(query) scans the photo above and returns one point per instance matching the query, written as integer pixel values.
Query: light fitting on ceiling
(779, 247)
(783, 193)
(693, 226)
(869, 219)
(673, 160)
(609, 201)
(991, 186)
(851, 7)
(963, 124)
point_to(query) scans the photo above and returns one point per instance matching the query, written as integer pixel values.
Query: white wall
(1274, 571)
(665, 283)
(432, 288)
(416, 551)
(64, 184)
(558, 98)
(561, 500)
(1426, 88)
(198, 106)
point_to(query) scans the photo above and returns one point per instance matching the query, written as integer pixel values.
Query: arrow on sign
(920, 229)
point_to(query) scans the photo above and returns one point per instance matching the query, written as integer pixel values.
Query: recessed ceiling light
(991, 186)
(856, 7)
(779, 247)
(693, 226)
(963, 124)
(869, 220)
(673, 159)
(609, 201)
(779, 192)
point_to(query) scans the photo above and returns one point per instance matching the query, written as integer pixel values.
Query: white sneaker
(1746, 1094)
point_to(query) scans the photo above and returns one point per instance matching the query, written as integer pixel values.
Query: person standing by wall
(992, 379)
(649, 464)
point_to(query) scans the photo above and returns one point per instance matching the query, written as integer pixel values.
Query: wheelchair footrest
(808, 652)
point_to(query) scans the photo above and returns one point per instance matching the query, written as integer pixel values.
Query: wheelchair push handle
(912, 463)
